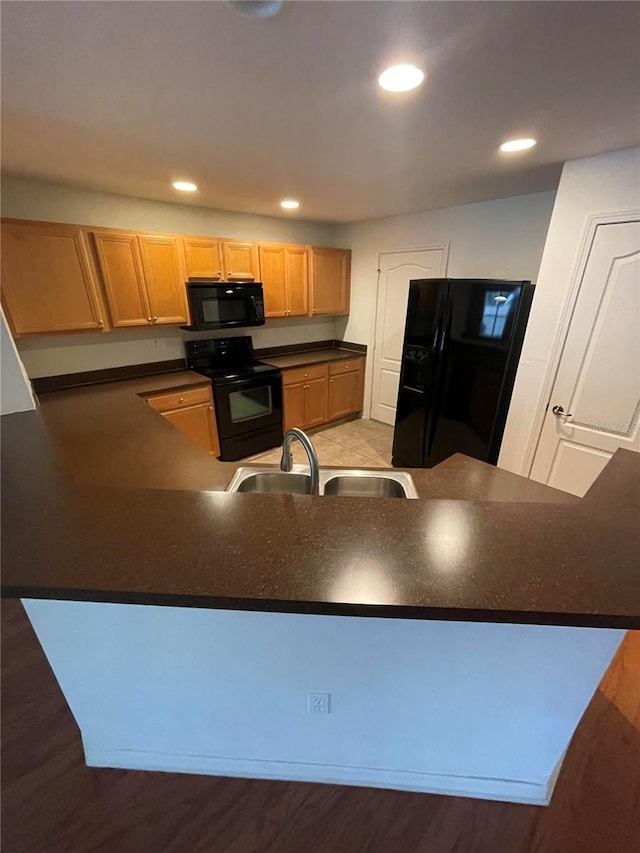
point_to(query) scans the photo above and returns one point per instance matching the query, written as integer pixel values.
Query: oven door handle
(253, 382)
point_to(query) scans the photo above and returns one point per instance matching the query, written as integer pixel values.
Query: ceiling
(126, 97)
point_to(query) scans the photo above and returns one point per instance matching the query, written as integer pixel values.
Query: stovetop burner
(226, 359)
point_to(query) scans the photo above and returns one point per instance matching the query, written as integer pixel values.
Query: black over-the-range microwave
(224, 304)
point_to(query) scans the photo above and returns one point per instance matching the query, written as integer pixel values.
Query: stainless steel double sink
(337, 482)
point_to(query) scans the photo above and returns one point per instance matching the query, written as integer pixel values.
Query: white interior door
(397, 269)
(598, 380)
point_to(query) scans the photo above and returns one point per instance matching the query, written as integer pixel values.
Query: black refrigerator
(462, 343)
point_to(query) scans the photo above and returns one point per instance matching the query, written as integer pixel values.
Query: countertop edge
(311, 608)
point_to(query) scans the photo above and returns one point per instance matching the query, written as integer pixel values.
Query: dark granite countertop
(104, 500)
(302, 359)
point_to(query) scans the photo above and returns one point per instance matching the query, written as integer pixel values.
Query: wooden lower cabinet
(316, 395)
(316, 402)
(192, 412)
(345, 396)
(198, 423)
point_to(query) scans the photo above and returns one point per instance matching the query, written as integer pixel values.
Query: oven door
(248, 405)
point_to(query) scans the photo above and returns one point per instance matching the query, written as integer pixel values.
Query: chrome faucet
(286, 463)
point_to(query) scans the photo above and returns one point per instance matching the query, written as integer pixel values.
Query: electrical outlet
(156, 344)
(318, 703)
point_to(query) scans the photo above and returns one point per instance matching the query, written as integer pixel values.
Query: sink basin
(364, 487)
(339, 482)
(275, 483)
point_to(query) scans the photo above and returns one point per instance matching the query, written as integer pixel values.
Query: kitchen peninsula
(187, 625)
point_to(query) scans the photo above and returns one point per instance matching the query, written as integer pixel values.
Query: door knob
(559, 412)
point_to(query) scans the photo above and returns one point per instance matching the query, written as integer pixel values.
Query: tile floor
(357, 444)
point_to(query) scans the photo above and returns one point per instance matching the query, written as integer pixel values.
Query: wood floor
(52, 803)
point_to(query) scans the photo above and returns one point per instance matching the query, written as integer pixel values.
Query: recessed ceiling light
(401, 78)
(517, 144)
(257, 8)
(184, 186)
(290, 204)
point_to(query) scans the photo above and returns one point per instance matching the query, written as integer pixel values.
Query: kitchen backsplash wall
(54, 355)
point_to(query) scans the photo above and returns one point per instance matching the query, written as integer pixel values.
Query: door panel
(396, 271)
(273, 277)
(241, 261)
(297, 278)
(294, 405)
(194, 422)
(598, 379)
(330, 281)
(316, 402)
(47, 280)
(166, 288)
(203, 258)
(343, 395)
(121, 269)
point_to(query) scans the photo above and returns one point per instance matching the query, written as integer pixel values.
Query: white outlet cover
(319, 703)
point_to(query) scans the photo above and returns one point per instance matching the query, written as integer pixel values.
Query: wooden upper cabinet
(297, 277)
(273, 278)
(166, 289)
(143, 278)
(121, 269)
(241, 261)
(284, 274)
(330, 274)
(48, 281)
(203, 258)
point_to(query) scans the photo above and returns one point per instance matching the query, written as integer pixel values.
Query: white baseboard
(508, 790)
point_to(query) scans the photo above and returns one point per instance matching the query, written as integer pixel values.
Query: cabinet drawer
(346, 366)
(302, 374)
(180, 399)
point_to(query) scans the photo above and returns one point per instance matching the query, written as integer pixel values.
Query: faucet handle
(286, 462)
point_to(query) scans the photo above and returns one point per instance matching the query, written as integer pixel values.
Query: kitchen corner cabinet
(191, 411)
(330, 279)
(48, 281)
(240, 261)
(203, 258)
(284, 273)
(142, 277)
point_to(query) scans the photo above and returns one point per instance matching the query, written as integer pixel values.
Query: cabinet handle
(181, 399)
(220, 273)
(100, 323)
(331, 382)
(210, 408)
(155, 319)
(314, 310)
(149, 320)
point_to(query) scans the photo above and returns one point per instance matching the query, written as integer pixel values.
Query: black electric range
(247, 394)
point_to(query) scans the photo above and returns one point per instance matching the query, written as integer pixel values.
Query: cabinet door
(294, 405)
(203, 258)
(330, 270)
(241, 261)
(166, 289)
(344, 394)
(194, 422)
(316, 402)
(297, 279)
(273, 278)
(121, 270)
(48, 280)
